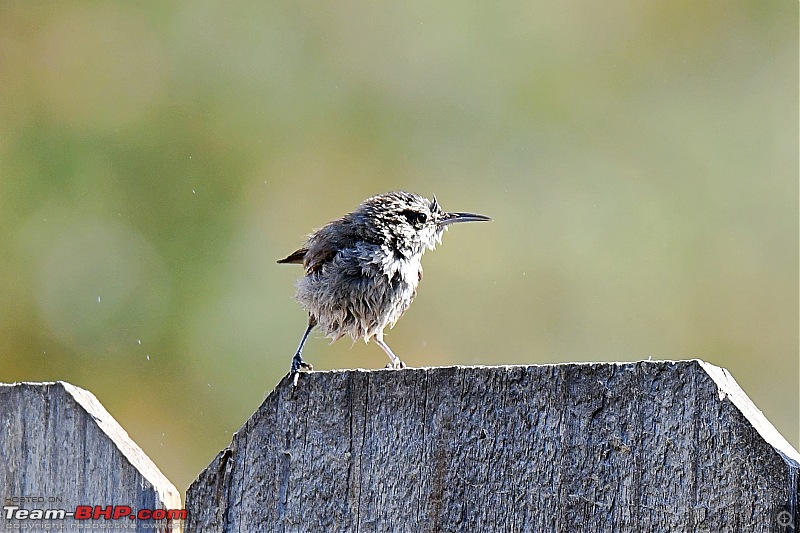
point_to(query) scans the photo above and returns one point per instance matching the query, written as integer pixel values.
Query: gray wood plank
(647, 446)
(59, 443)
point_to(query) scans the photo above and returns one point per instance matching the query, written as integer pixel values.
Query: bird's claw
(298, 364)
(396, 366)
(299, 368)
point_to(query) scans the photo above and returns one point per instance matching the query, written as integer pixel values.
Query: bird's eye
(416, 218)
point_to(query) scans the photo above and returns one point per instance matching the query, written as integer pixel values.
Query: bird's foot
(302, 367)
(298, 365)
(396, 365)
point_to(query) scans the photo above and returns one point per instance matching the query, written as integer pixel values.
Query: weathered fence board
(648, 446)
(61, 449)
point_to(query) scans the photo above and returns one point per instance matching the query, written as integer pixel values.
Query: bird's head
(409, 222)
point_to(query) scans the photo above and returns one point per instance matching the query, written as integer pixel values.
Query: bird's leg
(297, 360)
(396, 362)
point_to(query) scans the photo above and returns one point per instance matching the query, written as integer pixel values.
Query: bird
(362, 270)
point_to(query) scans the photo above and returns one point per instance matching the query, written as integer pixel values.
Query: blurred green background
(640, 161)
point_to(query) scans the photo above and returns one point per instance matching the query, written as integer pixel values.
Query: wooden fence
(647, 446)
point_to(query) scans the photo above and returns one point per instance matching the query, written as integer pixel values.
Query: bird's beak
(452, 218)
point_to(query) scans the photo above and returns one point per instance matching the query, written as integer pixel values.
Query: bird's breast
(406, 270)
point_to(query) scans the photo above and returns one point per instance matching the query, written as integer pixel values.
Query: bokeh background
(640, 161)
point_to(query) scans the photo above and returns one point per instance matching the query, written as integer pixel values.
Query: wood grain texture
(648, 446)
(59, 442)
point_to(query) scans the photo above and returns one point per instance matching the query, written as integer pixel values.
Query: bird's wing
(295, 258)
(324, 244)
(312, 261)
(318, 257)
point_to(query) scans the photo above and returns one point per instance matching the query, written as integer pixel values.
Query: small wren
(362, 270)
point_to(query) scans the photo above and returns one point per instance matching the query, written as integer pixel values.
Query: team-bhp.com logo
(13, 511)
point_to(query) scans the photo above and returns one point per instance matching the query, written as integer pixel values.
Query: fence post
(60, 450)
(647, 446)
